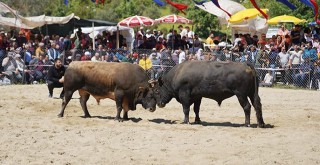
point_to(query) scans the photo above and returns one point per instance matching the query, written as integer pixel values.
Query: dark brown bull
(125, 83)
(190, 81)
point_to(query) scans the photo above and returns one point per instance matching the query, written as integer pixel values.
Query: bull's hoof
(261, 125)
(125, 119)
(118, 119)
(186, 122)
(60, 115)
(197, 122)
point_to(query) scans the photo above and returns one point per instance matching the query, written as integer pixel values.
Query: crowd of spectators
(26, 57)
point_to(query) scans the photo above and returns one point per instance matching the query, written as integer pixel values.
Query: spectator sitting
(55, 77)
(155, 53)
(23, 69)
(86, 57)
(268, 80)
(96, 57)
(10, 68)
(37, 67)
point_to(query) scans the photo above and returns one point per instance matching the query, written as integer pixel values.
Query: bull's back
(99, 78)
(210, 79)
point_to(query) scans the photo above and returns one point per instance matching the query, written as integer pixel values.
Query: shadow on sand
(135, 120)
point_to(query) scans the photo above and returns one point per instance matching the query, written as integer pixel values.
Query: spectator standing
(182, 55)
(283, 31)
(146, 64)
(295, 35)
(306, 68)
(310, 52)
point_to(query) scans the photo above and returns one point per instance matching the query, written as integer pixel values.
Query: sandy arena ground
(31, 132)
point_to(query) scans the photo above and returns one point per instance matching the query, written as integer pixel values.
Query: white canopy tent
(127, 32)
(255, 26)
(29, 22)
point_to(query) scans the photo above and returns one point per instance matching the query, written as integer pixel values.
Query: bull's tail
(256, 101)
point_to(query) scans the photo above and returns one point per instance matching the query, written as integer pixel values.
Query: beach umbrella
(136, 21)
(285, 19)
(173, 19)
(245, 14)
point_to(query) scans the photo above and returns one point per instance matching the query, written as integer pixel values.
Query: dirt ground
(31, 132)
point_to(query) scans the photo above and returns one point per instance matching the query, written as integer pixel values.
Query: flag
(307, 2)
(287, 3)
(159, 2)
(179, 6)
(315, 9)
(257, 7)
(215, 2)
(66, 2)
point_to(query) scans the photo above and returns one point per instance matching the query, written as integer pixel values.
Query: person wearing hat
(155, 53)
(55, 77)
(86, 57)
(10, 68)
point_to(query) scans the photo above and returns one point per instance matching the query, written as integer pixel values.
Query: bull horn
(152, 81)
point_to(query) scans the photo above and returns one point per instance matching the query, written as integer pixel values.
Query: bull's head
(156, 88)
(147, 99)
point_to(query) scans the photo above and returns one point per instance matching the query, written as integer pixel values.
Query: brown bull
(125, 83)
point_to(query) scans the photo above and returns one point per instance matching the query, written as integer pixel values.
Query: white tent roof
(30, 22)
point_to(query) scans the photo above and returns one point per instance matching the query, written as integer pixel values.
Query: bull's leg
(256, 102)
(186, 110)
(125, 115)
(84, 97)
(118, 98)
(196, 109)
(184, 97)
(244, 102)
(65, 101)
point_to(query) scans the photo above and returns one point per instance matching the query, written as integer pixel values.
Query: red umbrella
(173, 19)
(136, 21)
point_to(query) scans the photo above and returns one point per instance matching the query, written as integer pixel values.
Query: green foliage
(204, 22)
(116, 10)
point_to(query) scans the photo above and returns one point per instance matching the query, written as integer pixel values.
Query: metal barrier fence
(270, 69)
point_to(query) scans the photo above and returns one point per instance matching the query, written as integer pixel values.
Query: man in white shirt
(268, 80)
(183, 32)
(182, 55)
